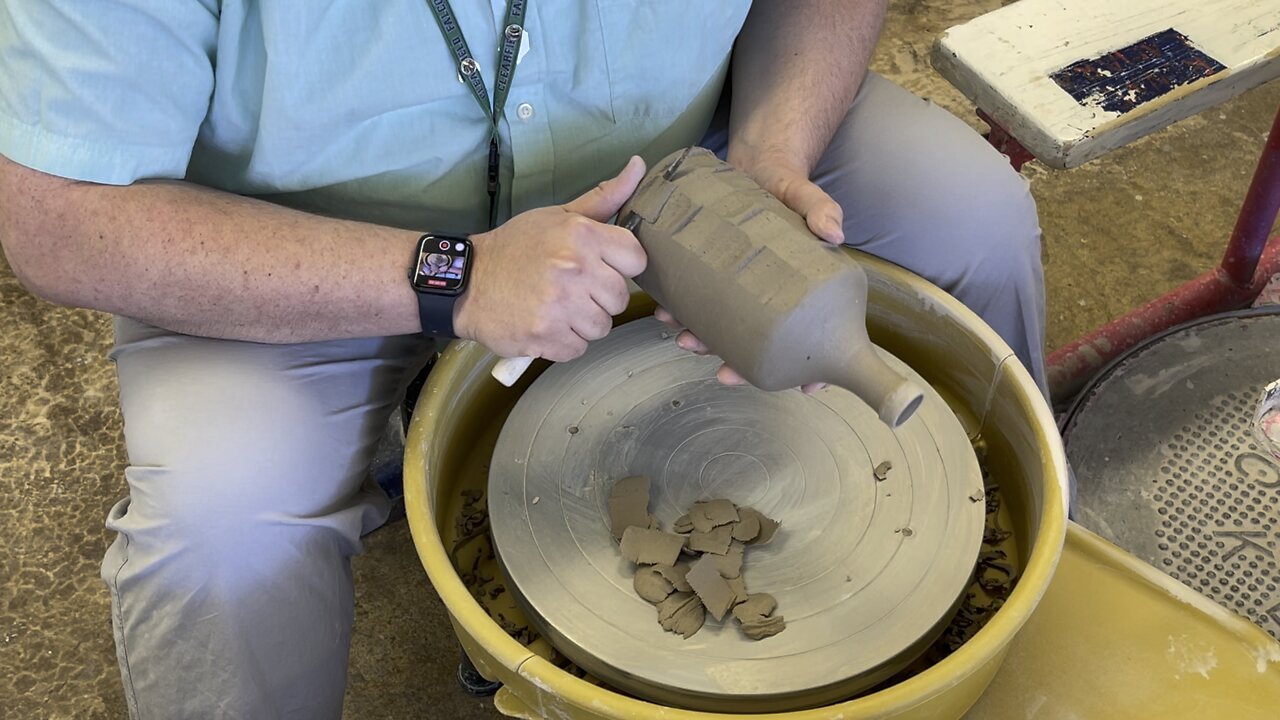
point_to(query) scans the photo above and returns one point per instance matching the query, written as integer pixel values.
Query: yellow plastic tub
(461, 410)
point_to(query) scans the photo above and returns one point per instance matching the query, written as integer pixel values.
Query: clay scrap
(675, 574)
(682, 524)
(682, 613)
(748, 526)
(629, 506)
(881, 471)
(716, 533)
(712, 514)
(651, 585)
(729, 564)
(716, 594)
(643, 546)
(768, 526)
(756, 617)
(715, 541)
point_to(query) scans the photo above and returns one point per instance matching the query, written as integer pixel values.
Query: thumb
(822, 214)
(602, 201)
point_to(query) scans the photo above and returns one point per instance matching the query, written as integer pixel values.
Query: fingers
(610, 291)
(667, 319)
(727, 376)
(593, 323)
(602, 202)
(823, 215)
(690, 342)
(620, 250)
(558, 276)
(566, 349)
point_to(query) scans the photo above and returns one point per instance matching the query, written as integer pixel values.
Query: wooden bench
(1073, 79)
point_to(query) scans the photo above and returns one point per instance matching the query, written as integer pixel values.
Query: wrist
(766, 157)
(464, 310)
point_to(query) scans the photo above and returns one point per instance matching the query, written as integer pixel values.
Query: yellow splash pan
(461, 408)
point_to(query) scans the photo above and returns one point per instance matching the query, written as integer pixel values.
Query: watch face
(442, 265)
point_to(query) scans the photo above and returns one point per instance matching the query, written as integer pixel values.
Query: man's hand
(549, 280)
(690, 342)
(789, 181)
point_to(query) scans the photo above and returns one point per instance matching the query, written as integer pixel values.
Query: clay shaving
(881, 471)
(629, 506)
(716, 534)
(651, 547)
(675, 575)
(709, 515)
(682, 524)
(715, 541)
(715, 593)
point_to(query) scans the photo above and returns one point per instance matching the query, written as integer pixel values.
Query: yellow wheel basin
(461, 410)
(1116, 638)
(1110, 636)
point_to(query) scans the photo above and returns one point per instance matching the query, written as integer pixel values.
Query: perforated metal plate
(1166, 466)
(864, 572)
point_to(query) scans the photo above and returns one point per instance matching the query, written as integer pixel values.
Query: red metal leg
(1005, 143)
(1257, 215)
(1247, 266)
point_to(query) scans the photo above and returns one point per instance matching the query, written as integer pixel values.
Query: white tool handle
(509, 370)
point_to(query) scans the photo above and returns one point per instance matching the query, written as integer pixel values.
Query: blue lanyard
(469, 70)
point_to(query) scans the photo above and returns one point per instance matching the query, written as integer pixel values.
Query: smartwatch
(438, 275)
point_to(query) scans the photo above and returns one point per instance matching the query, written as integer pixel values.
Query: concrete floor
(1117, 232)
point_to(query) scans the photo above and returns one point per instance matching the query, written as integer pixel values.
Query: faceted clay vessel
(743, 272)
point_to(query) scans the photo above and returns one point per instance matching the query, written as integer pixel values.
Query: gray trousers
(230, 575)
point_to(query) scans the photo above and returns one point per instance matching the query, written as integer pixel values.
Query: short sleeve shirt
(355, 108)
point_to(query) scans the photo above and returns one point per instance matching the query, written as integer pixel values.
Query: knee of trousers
(989, 232)
(220, 589)
(248, 508)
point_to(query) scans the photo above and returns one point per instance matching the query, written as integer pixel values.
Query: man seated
(249, 182)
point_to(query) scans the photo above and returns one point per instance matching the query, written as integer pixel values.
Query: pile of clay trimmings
(714, 535)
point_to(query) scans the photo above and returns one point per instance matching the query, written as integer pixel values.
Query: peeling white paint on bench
(1003, 62)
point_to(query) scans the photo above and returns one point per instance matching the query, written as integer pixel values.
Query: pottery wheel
(865, 572)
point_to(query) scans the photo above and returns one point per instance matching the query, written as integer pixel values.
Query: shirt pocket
(661, 54)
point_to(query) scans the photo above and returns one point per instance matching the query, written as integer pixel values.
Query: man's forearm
(797, 65)
(204, 262)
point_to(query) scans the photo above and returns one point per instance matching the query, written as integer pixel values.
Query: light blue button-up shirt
(354, 107)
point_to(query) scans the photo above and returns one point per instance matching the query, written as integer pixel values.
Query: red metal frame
(1005, 143)
(1248, 264)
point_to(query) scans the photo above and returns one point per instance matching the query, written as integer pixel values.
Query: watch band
(436, 314)
(439, 284)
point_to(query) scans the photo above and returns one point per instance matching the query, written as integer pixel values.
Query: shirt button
(524, 111)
